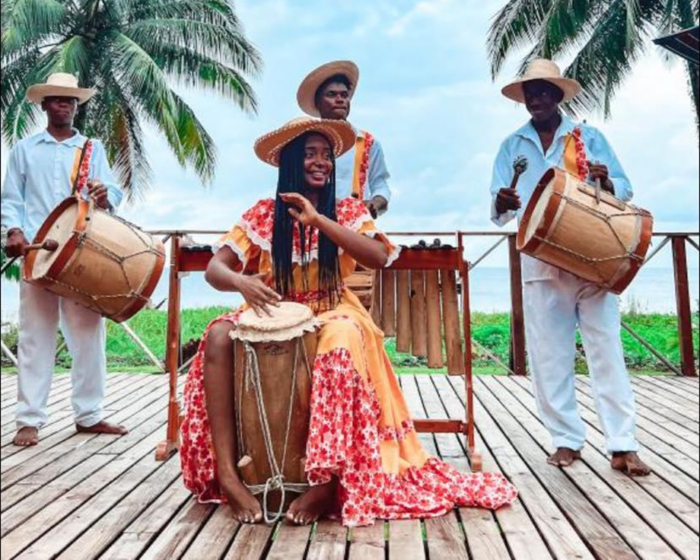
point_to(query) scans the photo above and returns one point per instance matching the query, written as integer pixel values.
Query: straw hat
(60, 85)
(306, 96)
(339, 133)
(542, 69)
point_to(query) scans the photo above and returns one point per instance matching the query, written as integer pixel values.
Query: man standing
(557, 302)
(362, 173)
(41, 173)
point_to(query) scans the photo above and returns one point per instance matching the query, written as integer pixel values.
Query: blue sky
(427, 94)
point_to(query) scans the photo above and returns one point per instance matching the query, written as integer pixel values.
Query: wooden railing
(679, 242)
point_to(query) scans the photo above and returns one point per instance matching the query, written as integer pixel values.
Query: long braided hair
(291, 180)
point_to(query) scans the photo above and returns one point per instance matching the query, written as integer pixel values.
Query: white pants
(553, 309)
(85, 335)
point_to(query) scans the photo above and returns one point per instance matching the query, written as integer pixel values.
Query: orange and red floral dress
(361, 430)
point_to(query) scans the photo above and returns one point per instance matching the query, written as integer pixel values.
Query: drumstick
(520, 166)
(48, 245)
(598, 186)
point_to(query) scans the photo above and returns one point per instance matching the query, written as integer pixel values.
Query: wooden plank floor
(80, 496)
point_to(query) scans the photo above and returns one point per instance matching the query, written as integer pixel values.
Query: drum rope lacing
(607, 218)
(276, 481)
(84, 240)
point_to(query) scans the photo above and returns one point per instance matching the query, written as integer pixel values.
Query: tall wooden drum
(103, 263)
(590, 234)
(273, 359)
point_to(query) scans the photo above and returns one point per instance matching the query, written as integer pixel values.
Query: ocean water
(652, 292)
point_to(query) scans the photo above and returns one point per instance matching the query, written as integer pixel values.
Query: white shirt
(526, 142)
(377, 174)
(38, 178)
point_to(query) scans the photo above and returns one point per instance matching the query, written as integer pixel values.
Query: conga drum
(102, 262)
(584, 231)
(273, 364)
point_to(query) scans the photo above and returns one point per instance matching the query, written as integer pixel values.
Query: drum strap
(276, 481)
(78, 172)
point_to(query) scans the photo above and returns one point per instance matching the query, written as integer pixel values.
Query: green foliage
(606, 37)
(492, 331)
(13, 272)
(131, 51)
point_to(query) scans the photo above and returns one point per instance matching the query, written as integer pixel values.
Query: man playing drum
(556, 301)
(40, 173)
(364, 460)
(362, 173)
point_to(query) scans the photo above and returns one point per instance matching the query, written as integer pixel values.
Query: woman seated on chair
(369, 463)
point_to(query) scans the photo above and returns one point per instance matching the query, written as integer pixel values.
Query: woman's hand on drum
(598, 171)
(257, 294)
(98, 192)
(508, 199)
(301, 209)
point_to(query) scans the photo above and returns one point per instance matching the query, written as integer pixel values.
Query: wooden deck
(84, 496)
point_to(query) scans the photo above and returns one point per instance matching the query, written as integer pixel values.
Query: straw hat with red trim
(339, 133)
(306, 96)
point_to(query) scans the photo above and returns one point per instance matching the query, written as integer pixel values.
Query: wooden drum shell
(564, 226)
(275, 360)
(102, 263)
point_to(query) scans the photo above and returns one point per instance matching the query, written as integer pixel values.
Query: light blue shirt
(38, 179)
(377, 174)
(526, 142)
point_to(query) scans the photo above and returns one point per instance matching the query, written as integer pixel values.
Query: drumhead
(537, 215)
(61, 231)
(288, 321)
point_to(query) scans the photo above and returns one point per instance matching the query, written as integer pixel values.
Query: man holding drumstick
(556, 302)
(40, 173)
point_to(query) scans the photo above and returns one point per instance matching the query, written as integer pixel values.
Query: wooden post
(453, 331)
(474, 455)
(389, 302)
(403, 319)
(170, 446)
(432, 299)
(685, 324)
(517, 329)
(376, 307)
(419, 327)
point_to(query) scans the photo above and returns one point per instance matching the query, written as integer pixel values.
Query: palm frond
(148, 88)
(204, 38)
(26, 21)
(13, 82)
(515, 25)
(565, 24)
(190, 69)
(606, 59)
(198, 146)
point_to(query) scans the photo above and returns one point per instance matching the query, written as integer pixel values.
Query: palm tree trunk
(693, 77)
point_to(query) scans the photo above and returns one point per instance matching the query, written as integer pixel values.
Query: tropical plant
(13, 271)
(132, 51)
(606, 37)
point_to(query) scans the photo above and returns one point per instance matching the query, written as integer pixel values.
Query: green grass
(490, 330)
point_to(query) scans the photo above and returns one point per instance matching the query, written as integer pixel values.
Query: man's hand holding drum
(98, 192)
(598, 171)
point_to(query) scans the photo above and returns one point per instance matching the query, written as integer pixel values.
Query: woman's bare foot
(102, 427)
(244, 506)
(564, 457)
(26, 437)
(630, 464)
(310, 507)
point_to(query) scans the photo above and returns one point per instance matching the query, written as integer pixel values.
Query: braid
(291, 180)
